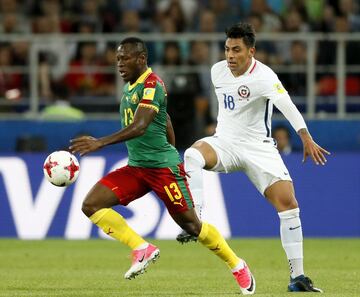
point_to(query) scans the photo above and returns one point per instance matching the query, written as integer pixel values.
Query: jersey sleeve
(272, 88)
(153, 95)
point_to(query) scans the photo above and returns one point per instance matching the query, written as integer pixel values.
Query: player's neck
(140, 72)
(243, 70)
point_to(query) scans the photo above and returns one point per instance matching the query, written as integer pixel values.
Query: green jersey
(151, 150)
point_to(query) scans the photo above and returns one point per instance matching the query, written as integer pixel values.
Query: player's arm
(170, 134)
(292, 114)
(142, 119)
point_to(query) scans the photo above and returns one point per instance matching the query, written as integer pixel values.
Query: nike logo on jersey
(293, 228)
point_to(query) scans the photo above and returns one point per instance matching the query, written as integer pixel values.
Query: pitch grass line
(96, 267)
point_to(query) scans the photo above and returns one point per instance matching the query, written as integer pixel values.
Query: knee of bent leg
(89, 207)
(192, 228)
(287, 203)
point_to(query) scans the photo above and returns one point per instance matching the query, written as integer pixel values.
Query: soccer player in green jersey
(154, 165)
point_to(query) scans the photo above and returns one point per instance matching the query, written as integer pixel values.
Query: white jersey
(246, 102)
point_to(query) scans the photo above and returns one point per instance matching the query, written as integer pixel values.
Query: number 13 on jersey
(128, 116)
(173, 187)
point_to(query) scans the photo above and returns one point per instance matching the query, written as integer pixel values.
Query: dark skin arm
(87, 144)
(311, 148)
(170, 134)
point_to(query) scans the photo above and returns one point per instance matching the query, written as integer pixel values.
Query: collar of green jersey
(141, 79)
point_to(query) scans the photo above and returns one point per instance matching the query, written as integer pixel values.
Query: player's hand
(315, 151)
(84, 145)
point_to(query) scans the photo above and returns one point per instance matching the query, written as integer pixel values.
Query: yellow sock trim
(114, 225)
(211, 238)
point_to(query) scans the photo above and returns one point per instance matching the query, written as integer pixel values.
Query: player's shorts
(260, 161)
(130, 183)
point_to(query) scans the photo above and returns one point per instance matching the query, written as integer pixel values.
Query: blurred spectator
(265, 50)
(12, 23)
(207, 22)
(90, 12)
(83, 78)
(130, 22)
(281, 134)
(199, 56)
(108, 87)
(351, 10)
(327, 83)
(174, 10)
(183, 89)
(61, 109)
(224, 14)
(11, 83)
(20, 51)
(9, 6)
(293, 23)
(327, 49)
(271, 21)
(295, 80)
(182, 12)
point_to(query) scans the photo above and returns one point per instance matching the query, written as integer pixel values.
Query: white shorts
(260, 161)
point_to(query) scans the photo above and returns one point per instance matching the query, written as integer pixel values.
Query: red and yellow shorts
(170, 184)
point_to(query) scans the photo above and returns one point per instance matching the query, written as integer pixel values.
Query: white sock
(241, 265)
(142, 246)
(292, 240)
(194, 163)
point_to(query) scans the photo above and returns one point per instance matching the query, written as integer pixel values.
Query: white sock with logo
(292, 240)
(194, 164)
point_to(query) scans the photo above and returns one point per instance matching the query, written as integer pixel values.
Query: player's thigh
(226, 157)
(171, 186)
(126, 183)
(264, 166)
(97, 198)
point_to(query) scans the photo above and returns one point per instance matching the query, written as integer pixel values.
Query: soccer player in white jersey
(247, 90)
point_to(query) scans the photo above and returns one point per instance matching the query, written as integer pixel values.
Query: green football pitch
(96, 268)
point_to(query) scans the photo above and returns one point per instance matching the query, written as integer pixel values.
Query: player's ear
(251, 52)
(142, 59)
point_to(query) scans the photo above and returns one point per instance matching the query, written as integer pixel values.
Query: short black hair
(138, 43)
(242, 30)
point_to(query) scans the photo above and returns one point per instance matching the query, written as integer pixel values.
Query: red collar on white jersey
(251, 67)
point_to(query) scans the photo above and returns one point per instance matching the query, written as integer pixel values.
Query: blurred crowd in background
(64, 67)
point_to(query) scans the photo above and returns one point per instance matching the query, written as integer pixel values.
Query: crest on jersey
(244, 91)
(134, 99)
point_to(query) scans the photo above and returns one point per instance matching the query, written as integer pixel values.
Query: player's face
(129, 62)
(238, 55)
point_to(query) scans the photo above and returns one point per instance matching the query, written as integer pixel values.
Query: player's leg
(196, 158)
(211, 238)
(281, 195)
(171, 186)
(267, 171)
(120, 187)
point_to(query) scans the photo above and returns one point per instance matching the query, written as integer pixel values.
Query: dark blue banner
(30, 207)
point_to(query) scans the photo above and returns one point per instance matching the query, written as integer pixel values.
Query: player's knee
(194, 156)
(287, 204)
(192, 228)
(89, 208)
